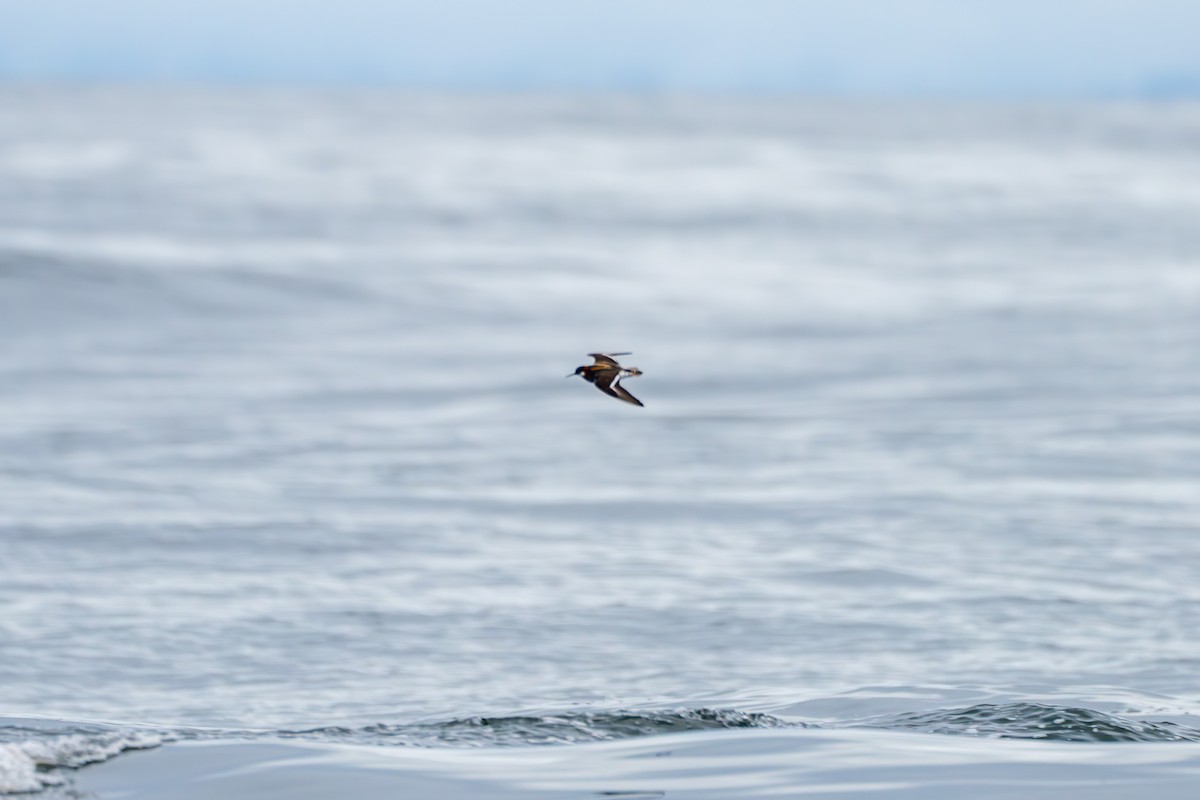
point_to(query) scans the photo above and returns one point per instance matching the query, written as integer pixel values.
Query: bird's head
(578, 371)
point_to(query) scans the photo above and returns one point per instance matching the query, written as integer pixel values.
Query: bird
(606, 375)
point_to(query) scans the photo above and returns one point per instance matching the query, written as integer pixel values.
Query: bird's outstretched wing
(607, 358)
(609, 382)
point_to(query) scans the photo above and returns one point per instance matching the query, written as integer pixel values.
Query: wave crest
(566, 728)
(30, 760)
(1036, 721)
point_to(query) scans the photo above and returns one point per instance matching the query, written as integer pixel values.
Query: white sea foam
(34, 763)
(19, 771)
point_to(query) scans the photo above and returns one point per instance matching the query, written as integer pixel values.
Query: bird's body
(605, 374)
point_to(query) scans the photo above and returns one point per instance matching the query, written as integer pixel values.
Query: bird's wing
(609, 382)
(607, 358)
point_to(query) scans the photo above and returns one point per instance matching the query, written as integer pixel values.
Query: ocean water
(295, 500)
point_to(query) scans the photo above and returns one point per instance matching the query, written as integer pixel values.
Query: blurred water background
(286, 448)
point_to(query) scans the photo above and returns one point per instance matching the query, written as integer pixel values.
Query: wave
(1034, 721)
(567, 728)
(1000, 721)
(80, 285)
(31, 757)
(721, 764)
(34, 754)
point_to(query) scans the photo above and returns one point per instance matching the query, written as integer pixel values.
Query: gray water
(286, 450)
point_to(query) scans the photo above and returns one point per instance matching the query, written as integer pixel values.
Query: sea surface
(295, 500)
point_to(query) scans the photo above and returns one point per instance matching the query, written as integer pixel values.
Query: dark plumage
(605, 374)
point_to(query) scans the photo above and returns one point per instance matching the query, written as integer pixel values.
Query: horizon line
(1182, 92)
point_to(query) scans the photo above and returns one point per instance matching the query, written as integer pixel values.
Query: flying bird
(606, 375)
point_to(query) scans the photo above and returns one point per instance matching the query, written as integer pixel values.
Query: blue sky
(1025, 48)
